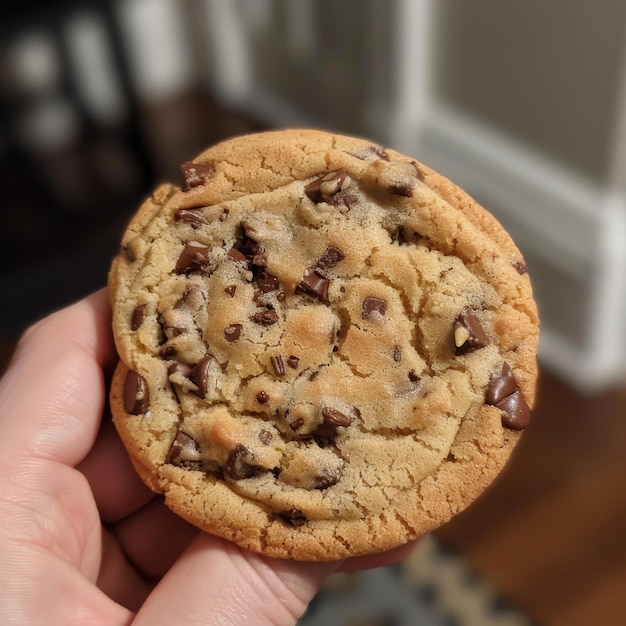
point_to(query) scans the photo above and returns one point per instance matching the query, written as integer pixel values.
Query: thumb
(215, 582)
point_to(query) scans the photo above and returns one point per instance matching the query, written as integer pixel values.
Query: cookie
(326, 348)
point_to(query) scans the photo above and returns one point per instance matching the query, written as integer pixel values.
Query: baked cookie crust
(326, 348)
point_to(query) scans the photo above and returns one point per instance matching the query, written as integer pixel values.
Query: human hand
(82, 539)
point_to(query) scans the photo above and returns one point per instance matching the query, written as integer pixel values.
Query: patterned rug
(435, 587)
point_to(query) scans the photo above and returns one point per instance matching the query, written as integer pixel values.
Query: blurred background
(523, 104)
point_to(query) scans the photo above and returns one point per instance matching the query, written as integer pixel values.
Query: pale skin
(82, 540)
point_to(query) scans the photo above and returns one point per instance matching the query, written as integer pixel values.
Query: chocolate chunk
(232, 332)
(501, 384)
(327, 478)
(503, 392)
(266, 282)
(138, 316)
(265, 317)
(373, 308)
(332, 255)
(260, 258)
(136, 393)
(230, 290)
(294, 517)
(193, 217)
(245, 248)
(315, 285)
(293, 361)
(192, 259)
(201, 373)
(521, 267)
(324, 188)
(240, 463)
(332, 419)
(262, 397)
(468, 333)
(405, 190)
(515, 411)
(236, 255)
(196, 173)
(184, 452)
(278, 365)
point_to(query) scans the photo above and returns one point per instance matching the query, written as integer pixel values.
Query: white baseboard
(566, 224)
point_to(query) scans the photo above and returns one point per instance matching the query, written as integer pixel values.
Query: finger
(153, 538)
(215, 582)
(51, 397)
(117, 488)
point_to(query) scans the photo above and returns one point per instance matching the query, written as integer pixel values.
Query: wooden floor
(551, 532)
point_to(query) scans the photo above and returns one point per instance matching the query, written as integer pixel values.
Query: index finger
(53, 393)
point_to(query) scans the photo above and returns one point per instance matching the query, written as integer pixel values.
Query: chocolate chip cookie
(326, 348)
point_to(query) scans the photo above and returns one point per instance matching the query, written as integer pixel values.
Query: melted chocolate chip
(297, 423)
(240, 463)
(373, 308)
(201, 375)
(371, 153)
(265, 317)
(192, 259)
(193, 217)
(224, 214)
(278, 365)
(196, 174)
(265, 437)
(327, 478)
(138, 317)
(332, 419)
(179, 369)
(136, 393)
(315, 285)
(468, 333)
(501, 384)
(230, 290)
(324, 188)
(190, 297)
(413, 377)
(332, 255)
(184, 452)
(345, 198)
(266, 281)
(293, 361)
(293, 517)
(232, 332)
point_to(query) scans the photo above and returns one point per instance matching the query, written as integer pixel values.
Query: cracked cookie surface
(326, 348)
